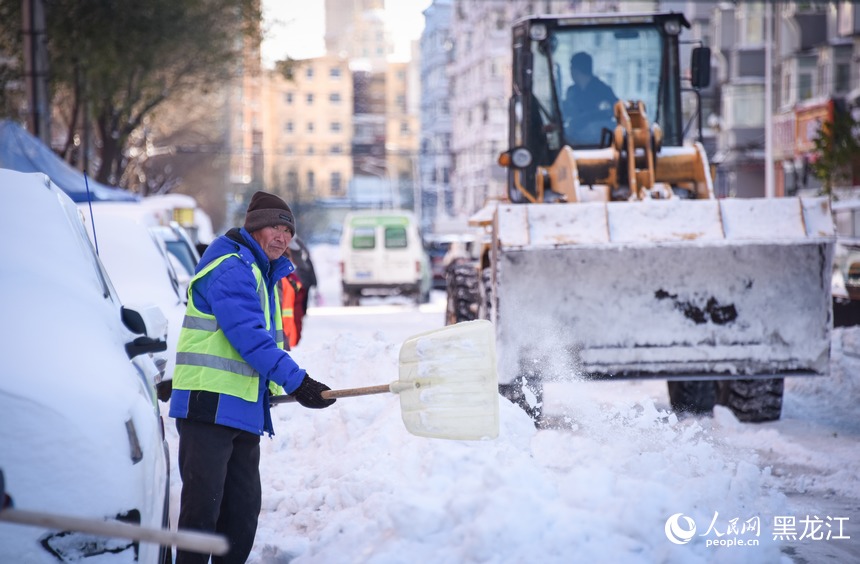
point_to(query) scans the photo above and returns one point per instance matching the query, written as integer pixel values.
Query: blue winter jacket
(229, 293)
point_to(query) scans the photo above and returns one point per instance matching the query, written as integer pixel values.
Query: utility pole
(769, 191)
(36, 69)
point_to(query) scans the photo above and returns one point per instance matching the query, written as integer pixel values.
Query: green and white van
(382, 254)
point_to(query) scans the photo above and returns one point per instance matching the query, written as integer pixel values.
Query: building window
(310, 127)
(336, 184)
(336, 149)
(309, 73)
(786, 89)
(335, 127)
(404, 128)
(289, 150)
(311, 150)
(311, 179)
(804, 86)
(292, 180)
(288, 127)
(843, 77)
(750, 19)
(334, 98)
(288, 98)
(806, 69)
(310, 99)
(746, 105)
(334, 72)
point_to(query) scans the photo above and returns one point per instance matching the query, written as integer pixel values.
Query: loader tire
(752, 401)
(463, 292)
(692, 396)
(487, 298)
(514, 393)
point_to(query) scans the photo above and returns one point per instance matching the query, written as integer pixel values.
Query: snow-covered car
(140, 266)
(80, 430)
(846, 263)
(182, 252)
(179, 244)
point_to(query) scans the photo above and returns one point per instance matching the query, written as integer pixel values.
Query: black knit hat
(268, 210)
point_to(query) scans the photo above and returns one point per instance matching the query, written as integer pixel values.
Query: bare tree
(113, 63)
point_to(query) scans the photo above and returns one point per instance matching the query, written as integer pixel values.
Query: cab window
(395, 237)
(364, 238)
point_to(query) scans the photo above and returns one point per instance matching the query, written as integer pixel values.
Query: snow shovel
(193, 541)
(448, 385)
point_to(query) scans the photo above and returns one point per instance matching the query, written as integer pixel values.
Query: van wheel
(422, 297)
(351, 299)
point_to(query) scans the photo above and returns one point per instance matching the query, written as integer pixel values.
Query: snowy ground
(350, 484)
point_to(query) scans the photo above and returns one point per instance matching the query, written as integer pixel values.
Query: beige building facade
(308, 130)
(402, 122)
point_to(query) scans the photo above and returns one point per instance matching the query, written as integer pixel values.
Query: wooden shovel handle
(334, 394)
(186, 540)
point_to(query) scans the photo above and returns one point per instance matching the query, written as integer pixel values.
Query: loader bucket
(675, 289)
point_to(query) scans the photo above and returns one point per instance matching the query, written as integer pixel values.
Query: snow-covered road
(350, 484)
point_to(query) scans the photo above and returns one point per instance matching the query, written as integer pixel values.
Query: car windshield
(181, 251)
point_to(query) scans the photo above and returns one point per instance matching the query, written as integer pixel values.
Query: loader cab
(568, 71)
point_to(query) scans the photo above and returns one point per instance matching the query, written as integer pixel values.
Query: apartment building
(401, 130)
(479, 81)
(355, 30)
(814, 76)
(434, 155)
(309, 133)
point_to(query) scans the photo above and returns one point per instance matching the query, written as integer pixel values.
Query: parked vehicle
(382, 254)
(438, 247)
(81, 433)
(141, 268)
(846, 263)
(182, 252)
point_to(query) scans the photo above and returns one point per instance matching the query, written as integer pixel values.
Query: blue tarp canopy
(21, 151)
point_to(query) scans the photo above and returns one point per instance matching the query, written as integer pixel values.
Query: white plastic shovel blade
(448, 382)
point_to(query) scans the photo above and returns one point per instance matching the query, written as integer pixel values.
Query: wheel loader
(611, 258)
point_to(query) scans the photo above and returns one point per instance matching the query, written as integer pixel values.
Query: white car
(181, 250)
(80, 430)
(140, 266)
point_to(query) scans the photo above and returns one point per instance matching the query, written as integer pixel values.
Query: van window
(395, 238)
(364, 238)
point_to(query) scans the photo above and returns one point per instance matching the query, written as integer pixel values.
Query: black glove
(308, 394)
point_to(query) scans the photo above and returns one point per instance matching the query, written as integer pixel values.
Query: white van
(381, 255)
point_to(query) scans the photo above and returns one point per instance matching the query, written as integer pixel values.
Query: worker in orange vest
(290, 308)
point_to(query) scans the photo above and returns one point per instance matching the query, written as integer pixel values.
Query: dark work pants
(221, 492)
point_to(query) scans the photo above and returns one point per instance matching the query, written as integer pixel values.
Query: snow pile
(350, 484)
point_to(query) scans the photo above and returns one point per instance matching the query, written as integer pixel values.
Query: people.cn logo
(677, 532)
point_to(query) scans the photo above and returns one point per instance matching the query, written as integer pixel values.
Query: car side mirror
(148, 322)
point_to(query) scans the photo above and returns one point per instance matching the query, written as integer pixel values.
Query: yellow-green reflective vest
(205, 359)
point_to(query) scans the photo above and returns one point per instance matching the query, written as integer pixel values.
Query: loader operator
(588, 103)
(229, 355)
